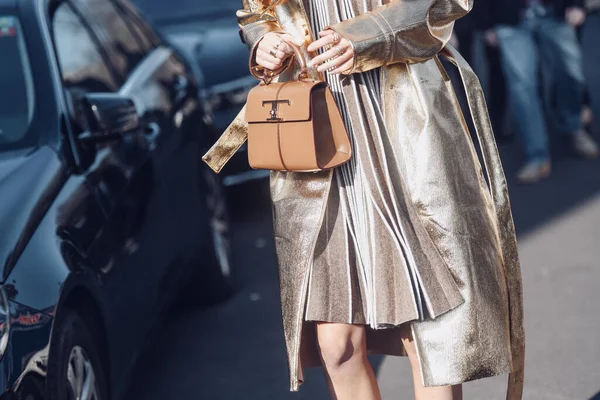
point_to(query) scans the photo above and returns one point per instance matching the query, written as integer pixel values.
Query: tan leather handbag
(295, 125)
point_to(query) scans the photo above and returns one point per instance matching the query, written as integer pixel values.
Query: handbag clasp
(274, 108)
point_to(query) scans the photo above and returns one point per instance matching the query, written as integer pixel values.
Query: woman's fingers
(277, 41)
(328, 37)
(335, 62)
(268, 61)
(273, 50)
(343, 68)
(268, 65)
(270, 44)
(336, 51)
(317, 44)
(268, 57)
(285, 50)
(288, 41)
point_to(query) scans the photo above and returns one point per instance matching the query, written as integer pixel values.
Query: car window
(80, 59)
(137, 24)
(83, 67)
(141, 23)
(17, 94)
(120, 39)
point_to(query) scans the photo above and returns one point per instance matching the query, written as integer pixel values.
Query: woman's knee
(340, 344)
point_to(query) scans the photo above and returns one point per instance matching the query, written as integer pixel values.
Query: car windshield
(16, 96)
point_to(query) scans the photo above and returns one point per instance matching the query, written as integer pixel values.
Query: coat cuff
(369, 41)
(253, 32)
(401, 31)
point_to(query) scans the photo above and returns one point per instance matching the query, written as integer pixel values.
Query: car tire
(75, 353)
(31, 389)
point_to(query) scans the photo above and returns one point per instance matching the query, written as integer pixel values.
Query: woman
(404, 250)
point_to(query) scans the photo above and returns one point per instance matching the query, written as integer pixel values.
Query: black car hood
(28, 184)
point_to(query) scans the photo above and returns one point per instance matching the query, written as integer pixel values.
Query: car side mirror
(108, 117)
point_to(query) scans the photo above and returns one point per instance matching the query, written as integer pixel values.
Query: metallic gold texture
(458, 228)
(401, 31)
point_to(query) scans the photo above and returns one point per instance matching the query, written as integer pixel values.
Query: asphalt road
(236, 350)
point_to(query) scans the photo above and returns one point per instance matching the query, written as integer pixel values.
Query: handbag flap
(280, 102)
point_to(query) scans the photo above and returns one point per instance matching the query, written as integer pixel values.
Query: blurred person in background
(464, 34)
(468, 39)
(591, 55)
(527, 31)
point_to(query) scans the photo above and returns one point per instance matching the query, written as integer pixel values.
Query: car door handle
(151, 133)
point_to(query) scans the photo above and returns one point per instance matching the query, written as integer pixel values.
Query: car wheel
(75, 371)
(31, 389)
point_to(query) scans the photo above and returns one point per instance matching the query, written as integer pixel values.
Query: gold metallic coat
(462, 225)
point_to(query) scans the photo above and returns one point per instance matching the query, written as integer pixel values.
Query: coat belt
(228, 144)
(499, 192)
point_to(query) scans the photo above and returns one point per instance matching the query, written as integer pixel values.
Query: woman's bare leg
(421, 392)
(344, 355)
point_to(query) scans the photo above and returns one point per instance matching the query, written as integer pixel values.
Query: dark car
(208, 35)
(107, 213)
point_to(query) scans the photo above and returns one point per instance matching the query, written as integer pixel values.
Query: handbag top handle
(303, 74)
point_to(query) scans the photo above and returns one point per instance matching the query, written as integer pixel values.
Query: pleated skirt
(363, 271)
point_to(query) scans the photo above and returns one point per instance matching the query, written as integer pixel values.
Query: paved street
(236, 351)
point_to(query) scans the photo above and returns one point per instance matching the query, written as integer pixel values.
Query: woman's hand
(338, 55)
(273, 49)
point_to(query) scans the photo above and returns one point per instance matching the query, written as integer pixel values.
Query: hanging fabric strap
(499, 192)
(228, 144)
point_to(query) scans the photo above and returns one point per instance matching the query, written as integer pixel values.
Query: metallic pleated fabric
(436, 228)
(364, 271)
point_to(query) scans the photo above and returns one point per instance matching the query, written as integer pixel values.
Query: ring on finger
(335, 37)
(273, 52)
(339, 50)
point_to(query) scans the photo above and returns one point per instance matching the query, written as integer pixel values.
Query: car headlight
(4, 321)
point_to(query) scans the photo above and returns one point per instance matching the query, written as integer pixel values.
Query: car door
(127, 252)
(164, 91)
(165, 95)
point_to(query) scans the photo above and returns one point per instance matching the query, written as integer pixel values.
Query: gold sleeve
(403, 31)
(255, 20)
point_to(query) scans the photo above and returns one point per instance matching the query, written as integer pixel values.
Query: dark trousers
(550, 40)
(591, 62)
(493, 81)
